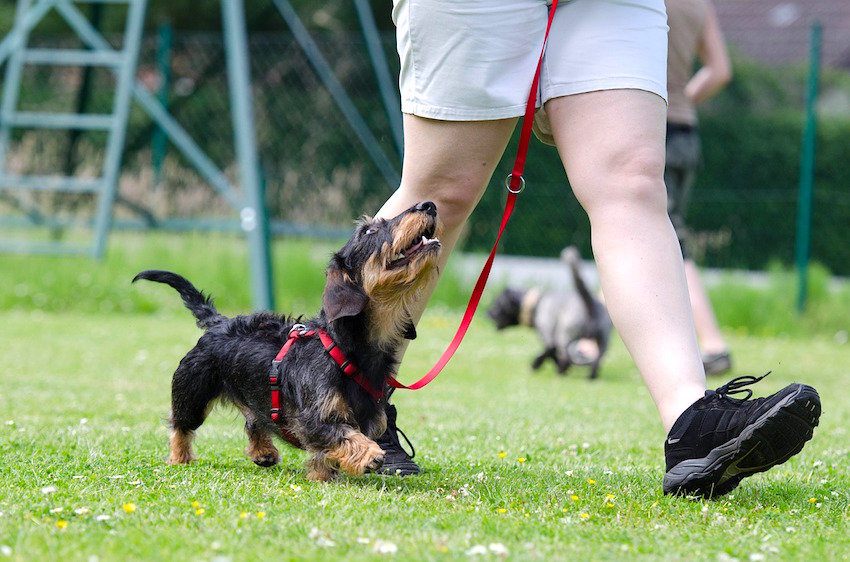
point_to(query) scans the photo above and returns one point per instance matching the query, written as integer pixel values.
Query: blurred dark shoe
(717, 363)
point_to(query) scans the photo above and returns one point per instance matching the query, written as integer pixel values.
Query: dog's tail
(199, 304)
(571, 256)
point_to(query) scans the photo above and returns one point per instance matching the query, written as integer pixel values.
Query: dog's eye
(370, 230)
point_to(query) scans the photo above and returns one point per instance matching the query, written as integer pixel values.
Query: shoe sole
(761, 445)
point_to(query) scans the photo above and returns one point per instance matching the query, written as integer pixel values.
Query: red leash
(515, 184)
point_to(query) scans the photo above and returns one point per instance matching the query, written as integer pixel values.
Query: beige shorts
(473, 60)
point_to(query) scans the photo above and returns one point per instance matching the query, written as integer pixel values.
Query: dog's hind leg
(193, 391)
(261, 448)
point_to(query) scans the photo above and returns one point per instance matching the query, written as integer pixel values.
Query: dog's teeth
(398, 256)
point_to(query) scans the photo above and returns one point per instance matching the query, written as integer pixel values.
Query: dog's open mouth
(420, 244)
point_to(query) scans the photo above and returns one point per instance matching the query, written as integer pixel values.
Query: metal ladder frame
(122, 63)
(249, 204)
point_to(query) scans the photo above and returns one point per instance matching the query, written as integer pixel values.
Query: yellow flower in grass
(196, 504)
(261, 514)
(61, 523)
(200, 511)
(609, 496)
(244, 515)
(609, 504)
(591, 481)
(129, 507)
(502, 510)
(585, 515)
(502, 455)
(521, 459)
(812, 500)
(574, 497)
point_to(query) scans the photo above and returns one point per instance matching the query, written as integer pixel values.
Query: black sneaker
(718, 441)
(396, 460)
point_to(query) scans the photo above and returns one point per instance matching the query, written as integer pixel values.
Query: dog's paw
(181, 458)
(357, 455)
(269, 459)
(376, 463)
(319, 470)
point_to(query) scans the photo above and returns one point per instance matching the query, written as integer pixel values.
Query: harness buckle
(297, 330)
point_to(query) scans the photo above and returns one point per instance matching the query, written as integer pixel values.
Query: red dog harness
(348, 368)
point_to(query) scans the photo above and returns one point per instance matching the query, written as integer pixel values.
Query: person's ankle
(676, 405)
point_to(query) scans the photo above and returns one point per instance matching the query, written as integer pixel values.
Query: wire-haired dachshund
(333, 412)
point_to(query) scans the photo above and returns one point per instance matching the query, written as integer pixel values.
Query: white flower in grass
(757, 557)
(79, 476)
(363, 540)
(10, 422)
(498, 549)
(103, 517)
(6, 550)
(82, 511)
(385, 547)
(57, 510)
(325, 541)
(476, 550)
(790, 530)
(48, 490)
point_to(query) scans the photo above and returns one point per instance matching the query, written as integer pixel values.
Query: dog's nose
(427, 207)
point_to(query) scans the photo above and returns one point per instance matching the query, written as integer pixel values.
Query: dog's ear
(342, 297)
(409, 329)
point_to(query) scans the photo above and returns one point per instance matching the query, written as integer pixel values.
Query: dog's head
(505, 309)
(381, 270)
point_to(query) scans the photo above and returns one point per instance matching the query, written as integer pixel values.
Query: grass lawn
(547, 468)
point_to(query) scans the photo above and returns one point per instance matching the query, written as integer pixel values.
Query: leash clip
(508, 184)
(297, 330)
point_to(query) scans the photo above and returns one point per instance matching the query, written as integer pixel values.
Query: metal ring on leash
(300, 328)
(508, 184)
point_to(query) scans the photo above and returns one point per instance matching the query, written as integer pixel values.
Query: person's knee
(632, 182)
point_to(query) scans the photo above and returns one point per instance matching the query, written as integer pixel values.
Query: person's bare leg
(612, 146)
(708, 331)
(449, 163)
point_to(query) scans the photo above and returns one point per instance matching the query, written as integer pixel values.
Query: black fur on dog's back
(200, 305)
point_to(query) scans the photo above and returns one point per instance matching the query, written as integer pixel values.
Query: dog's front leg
(344, 448)
(356, 454)
(261, 448)
(548, 353)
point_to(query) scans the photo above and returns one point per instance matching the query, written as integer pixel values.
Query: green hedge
(745, 197)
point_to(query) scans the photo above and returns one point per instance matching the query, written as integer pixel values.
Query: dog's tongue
(413, 248)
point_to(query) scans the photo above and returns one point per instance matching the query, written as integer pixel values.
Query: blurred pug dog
(562, 319)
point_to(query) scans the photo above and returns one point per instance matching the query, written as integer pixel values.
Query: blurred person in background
(694, 35)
